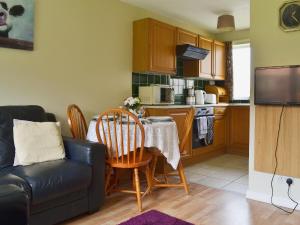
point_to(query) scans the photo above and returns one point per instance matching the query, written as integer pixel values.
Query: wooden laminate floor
(204, 206)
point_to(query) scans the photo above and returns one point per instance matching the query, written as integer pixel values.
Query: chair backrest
(121, 131)
(77, 122)
(187, 128)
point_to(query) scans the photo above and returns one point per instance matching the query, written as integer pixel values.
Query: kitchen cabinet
(201, 68)
(239, 119)
(219, 65)
(179, 116)
(213, 66)
(186, 37)
(220, 125)
(154, 47)
(231, 132)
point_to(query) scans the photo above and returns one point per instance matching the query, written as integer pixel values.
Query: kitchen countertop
(196, 106)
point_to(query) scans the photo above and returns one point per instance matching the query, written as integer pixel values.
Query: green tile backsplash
(178, 83)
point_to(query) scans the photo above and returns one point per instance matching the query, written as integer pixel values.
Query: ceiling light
(226, 23)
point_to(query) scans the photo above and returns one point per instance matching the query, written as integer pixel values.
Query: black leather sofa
(56, 190)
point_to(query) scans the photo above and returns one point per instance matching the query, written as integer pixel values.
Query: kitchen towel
(210, 130)
(202, 127)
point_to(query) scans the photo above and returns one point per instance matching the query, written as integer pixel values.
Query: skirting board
(284, 202)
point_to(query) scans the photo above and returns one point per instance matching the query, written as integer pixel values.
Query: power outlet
(289, 181)
(285, 180)
(282, 179)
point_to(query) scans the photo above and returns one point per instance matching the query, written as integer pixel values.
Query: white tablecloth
(161, 135)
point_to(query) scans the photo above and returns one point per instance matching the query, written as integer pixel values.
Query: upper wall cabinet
(186, 37)
(219, 61)
(201, 68)
(213, 66)
(206, 65)
(154, 47)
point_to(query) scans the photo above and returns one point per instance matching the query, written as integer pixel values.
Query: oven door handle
(178, 114)
(196, 117)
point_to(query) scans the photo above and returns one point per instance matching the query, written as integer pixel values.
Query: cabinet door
(219, 61)
(220, 132)
(186, 37)
(206, 65)
(162, 48)
(239, 130)
(179, 116)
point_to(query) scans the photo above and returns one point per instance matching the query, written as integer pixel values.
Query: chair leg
(149, 178)
(154, 166)
(183, 178)
(138, 188)
(107, 181)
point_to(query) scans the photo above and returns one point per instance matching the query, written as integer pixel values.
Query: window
(241, 59)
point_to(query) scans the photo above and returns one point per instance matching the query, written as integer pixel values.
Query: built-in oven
(203, 127)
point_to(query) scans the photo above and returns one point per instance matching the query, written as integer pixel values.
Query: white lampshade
(226, 23)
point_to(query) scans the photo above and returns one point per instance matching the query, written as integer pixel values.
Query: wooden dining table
(159, 135)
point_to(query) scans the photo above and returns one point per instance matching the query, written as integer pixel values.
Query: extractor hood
(190, 52)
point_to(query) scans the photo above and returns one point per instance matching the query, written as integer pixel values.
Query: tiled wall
(178, 82)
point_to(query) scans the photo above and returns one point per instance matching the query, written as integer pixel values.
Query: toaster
(220, 92)
(210, 99)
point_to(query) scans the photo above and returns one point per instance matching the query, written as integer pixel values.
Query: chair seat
(147, 157)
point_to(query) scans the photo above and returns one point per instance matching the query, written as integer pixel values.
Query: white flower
(132, 103)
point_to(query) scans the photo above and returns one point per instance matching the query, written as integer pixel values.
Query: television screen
(277, 85)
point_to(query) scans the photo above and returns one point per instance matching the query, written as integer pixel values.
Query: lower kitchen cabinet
(220, 127)
(238, 129)
(231, 132)
(220, 131)
(179, 116)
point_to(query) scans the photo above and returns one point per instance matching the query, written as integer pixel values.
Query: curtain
(229, 70)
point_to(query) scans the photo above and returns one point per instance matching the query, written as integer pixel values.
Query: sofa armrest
(14, 205)
(92, 154)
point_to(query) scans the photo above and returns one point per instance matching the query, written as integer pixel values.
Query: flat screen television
(278, 85)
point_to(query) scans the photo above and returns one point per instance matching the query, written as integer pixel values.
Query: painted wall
(82, 55)
(234, 36)
(270, 47)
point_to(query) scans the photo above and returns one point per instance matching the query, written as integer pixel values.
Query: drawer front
(219, 110)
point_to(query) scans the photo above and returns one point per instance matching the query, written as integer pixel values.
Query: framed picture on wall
(17, 24)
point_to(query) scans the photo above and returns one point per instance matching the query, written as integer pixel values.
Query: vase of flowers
(133, 104)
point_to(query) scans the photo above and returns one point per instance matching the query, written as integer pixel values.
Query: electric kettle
(200, 97)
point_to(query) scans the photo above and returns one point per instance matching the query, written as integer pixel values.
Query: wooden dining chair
(77, 122)
(180, 170)
(119, 130)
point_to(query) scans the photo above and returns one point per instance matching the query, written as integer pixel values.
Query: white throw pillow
(37, 142)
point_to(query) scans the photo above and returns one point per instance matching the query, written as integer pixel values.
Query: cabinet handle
(178, 114)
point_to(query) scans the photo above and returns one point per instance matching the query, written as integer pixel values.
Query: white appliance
(157, 94)
(210, 99)
(200, 97)
(190, 100)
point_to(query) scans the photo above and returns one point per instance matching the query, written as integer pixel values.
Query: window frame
(235, 46)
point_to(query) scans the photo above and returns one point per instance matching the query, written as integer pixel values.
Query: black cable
(276, 165)
(292, 200)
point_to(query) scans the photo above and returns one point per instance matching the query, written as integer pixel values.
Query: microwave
(156, 94)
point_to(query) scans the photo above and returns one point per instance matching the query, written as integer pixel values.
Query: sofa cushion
(7, 114)
(37, 142)
(50, 180)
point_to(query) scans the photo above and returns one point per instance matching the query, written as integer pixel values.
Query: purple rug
(154, 217)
